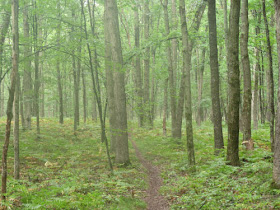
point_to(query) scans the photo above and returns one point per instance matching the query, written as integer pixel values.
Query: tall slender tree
(256, 73)
(138, 71)
(270, 80)
(16, 129)
(234, 84)
(36, 29)
(14, 72)
(215, 83)
(276, 160)
(146, 92)
(27, 73)
(5, 17)
(247, 96)
(171, 79)
(58, 72)
(187, 68)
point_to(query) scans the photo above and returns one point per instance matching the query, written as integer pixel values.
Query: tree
(138, 72)
(112, 30)
(16, 129)
(5, 16)
(14, 73)
(215, 80)
(276, 160)
(146, 91)
(234, 84)
(95, 84)
(59, 85)
(257, 73)
(186, 67)
(36, 29)
(27, 84)
(171, 78)
(247, 96)
(270, 82)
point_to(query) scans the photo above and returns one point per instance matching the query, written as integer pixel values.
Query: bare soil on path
(154, 200)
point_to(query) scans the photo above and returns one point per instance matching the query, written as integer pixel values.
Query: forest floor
(67, 170)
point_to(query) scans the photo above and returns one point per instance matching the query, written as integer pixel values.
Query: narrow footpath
(154, 200)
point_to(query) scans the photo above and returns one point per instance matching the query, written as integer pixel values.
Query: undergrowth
(214, 185)
(67, 170)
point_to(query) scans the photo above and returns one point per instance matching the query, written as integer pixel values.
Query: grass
(66, 171)
(63, 170)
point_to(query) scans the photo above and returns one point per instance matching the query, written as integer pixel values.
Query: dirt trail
(154, 200)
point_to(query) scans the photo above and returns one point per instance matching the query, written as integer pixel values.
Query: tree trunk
(95, 81)
(186, 67)
(182, 92)
(21, 111)
(172, 88)
(276, 161)
(138, 72)
(270, 82)
(84, 96)
(234, 84)
(5, 16)
(2, 101)
(215, 77)
(256, 77)
(146, 92)
(76, 66)
(200, 87)
(59, 85)
(165, 101)
(247, 96)
(37, 82)
(112, 28)
(261, 93)
(27, 84)
(16, 129)
(174, 42)
(42, 95)
(14, 72)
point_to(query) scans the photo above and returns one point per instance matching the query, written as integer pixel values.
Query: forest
(138, 104)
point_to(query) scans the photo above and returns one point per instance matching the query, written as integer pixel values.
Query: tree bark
(186, 67)
(247, 95)
(270, 82)
(37, 81)
(5, 16)
(84, 96)
(276, 160)
(261, 92)
(138, 72)
(146, 91)
(174, 42)
(256, 76)
(172, 88)
(215, 77)
(200, 87)
(234, 84)
(112, 28)
(76, 66)
(27, 84)
(14, 72)
(59, 84)
(165, 102)
(16, 129)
